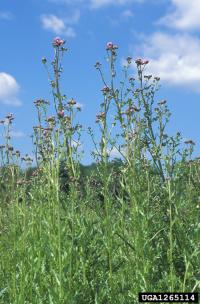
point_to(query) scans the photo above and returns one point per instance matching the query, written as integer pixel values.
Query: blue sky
(167, 32)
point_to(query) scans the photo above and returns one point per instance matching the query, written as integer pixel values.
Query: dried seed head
(147, 77)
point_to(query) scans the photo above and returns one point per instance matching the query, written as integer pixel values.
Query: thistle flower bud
(129, 59)
(189, 142)
(162, 102)
(44, 61)
(71, 102)
(97, 65)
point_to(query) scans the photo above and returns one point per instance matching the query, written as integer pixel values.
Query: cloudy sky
(166, 32)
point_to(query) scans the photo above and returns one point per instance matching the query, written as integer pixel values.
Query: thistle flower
(110, 46)
(105, 90)
(100, 116)
(61, 114)
(162, 102)
(58, 41)
(140, 61)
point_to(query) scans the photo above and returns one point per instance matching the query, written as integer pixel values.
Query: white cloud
(127, 14)
(73, 17)
(184, 16)
(174, 58)
(57, 25)
(6, 15)
(9, 89)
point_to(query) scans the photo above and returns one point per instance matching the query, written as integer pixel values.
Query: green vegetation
(102, 233)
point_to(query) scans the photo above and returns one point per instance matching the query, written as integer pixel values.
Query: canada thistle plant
(59, 137)
(129, 225)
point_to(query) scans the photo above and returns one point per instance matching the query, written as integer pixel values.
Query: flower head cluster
(105, 90)
(58, 42)
(50, 119)
(101, 116)
(140, 62)
(147, 77)
(111, 47)
(27, 158)
(132, 109)
(40, 102)
(10, 118)
(61, 114)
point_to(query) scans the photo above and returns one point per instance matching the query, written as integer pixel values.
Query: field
(105, 232)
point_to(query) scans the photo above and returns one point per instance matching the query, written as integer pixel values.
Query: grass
(102, 235)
